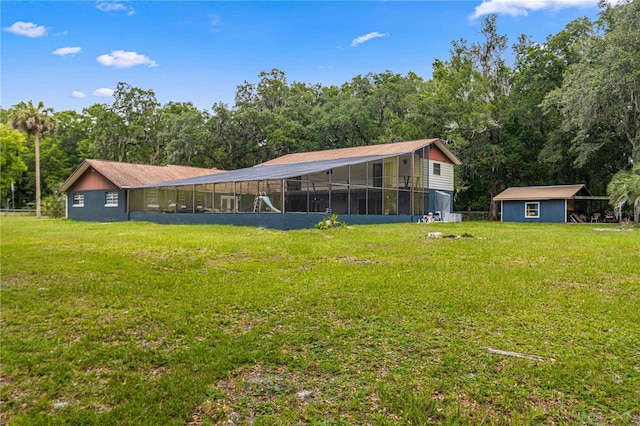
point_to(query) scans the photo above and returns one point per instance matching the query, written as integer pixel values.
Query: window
(532, 210)
(111, 199)
(436, 169)
(78, 200)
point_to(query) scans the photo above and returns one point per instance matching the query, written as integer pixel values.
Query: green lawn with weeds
(138, 323)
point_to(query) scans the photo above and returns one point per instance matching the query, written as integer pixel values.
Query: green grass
(137, 323)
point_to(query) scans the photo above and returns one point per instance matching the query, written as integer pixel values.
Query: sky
(72, 54)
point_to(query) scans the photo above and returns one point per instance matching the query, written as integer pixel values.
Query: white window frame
(109, 199)
(437, 171)
(528, 209)
(78, 200)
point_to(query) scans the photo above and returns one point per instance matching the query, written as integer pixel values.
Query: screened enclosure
(374, 185)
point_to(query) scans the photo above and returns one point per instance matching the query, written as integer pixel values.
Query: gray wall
(94, 209)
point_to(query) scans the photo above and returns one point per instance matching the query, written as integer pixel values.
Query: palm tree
(34, 120)
(625, 188)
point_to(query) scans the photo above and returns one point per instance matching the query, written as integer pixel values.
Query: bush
(53, 205)
(330, 222)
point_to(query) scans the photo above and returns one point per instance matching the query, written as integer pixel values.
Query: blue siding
(94, 209)
(550, 211)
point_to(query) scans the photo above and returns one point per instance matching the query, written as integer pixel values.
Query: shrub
(330, 222)
(53, 205)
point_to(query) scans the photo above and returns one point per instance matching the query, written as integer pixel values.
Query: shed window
(78, 200)
(532, 210)
(436, 169)
(111, 199)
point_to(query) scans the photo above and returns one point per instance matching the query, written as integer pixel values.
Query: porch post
(349, 191)
(282, 191)
(411, 188)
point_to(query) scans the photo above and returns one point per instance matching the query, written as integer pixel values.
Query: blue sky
(72, 54)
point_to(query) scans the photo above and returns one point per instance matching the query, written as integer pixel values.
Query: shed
(555, 203)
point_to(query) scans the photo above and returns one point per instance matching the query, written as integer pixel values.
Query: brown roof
(129, 175)
(555, 192)
(395, 148)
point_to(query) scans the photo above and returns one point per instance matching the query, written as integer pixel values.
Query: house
(99, 190)
(394, 182)
(557, 203)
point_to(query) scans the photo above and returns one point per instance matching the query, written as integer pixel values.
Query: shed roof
(554, 192)
(129, 175)
(387, 150)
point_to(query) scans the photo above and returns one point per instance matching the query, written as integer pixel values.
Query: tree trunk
(493, 210)
(37, 144)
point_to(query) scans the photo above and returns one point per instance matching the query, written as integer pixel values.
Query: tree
(127, 129)
(539, 69)
(34, 120)
(182, 132)
(138, 110)
(468, 94)
(625, 188)
(600, 96)
(11, 164)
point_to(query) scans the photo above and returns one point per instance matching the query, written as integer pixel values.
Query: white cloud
(103, 92)
(523, 7)
(122, 59)
(78, 95)
(63, 51)
(27, 29)
(359, 40)
(114, 6)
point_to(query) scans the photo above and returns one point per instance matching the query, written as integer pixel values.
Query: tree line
(561, 112)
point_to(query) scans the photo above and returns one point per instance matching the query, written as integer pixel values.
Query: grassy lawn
(137, 323)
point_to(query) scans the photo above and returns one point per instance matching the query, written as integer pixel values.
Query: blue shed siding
(550, 211)
(94, 209)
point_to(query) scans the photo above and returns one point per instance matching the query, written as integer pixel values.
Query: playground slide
(267, 201)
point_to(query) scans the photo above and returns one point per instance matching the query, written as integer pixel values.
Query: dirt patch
(353, 261)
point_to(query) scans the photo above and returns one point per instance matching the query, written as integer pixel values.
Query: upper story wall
(440, 175)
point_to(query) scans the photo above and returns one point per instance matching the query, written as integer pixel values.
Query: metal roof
(387, 149)
(272, 171)
(555, 192)
(129, 175)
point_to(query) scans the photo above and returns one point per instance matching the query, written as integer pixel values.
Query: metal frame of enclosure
(372, 185)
